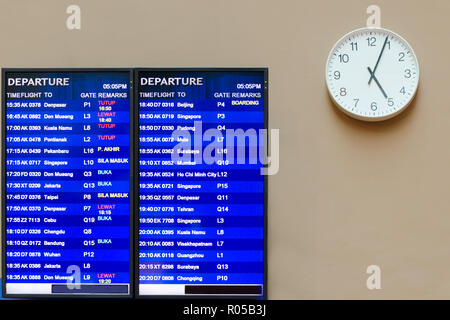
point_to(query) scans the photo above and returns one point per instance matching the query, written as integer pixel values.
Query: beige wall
(349, 194)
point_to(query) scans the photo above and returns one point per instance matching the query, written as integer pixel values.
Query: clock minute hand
(378, 61)
(372, 75)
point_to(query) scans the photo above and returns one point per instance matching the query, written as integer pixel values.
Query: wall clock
(372, 74)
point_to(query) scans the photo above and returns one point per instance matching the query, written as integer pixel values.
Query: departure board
(201, 204)
(66, 182)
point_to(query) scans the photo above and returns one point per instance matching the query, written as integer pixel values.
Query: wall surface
(348, 194)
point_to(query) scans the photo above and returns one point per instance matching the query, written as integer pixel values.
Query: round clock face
(372, 74)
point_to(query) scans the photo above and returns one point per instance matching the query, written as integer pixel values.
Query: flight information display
(201, 191)
(66, 185)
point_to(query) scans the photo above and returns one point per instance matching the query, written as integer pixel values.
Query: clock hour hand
(378, 61)
(372, 75)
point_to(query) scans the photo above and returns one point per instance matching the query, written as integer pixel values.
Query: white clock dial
(372, 74)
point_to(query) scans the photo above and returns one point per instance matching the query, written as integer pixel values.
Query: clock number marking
(402, 90)
(401, 57)
(373, 106)
(371, 41)
(343, 92)
(344, 58)
(390, 102)
(407, 73)
(337, 75)
(356, 102)
(354, 46)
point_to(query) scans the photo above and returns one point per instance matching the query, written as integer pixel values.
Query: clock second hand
(372, 75)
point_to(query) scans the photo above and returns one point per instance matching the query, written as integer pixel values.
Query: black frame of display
(5, 71)
(134, 181)
(265, 72)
